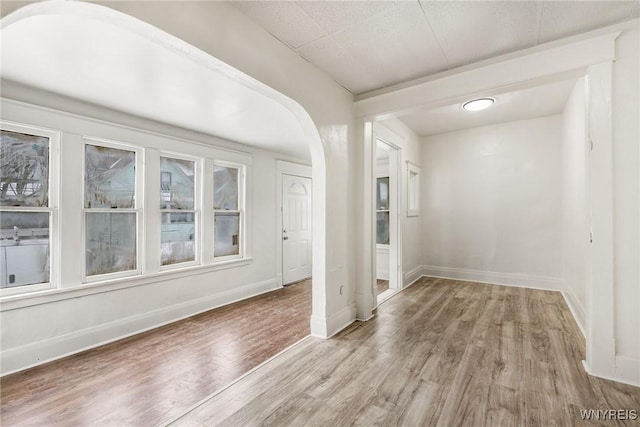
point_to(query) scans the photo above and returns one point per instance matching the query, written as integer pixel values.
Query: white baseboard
(576, 310)
(627, 371)
(37, 353)
(331, 325)
(508, 279)
(410, 277)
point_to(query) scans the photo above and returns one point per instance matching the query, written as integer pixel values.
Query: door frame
(286, 168)
(395, 215)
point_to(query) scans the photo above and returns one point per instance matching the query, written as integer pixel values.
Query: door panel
(296, 228)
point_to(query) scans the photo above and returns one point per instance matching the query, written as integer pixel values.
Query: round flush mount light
(478, 104)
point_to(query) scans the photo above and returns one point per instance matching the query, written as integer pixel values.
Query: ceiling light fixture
(478, 104)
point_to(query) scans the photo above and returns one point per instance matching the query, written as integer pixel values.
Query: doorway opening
(387, 202)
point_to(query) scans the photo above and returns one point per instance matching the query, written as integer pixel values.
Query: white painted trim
(494, 278)
(244, 205)
(577, 311)
(380, 134)
(528, 65)
(138, 207)
(49, 296)
(333, 324)
(410, 277)
(37, 353)
(52, 207)
(601, 348)
(627, 371)
(291, 168)
(387, 294)
(413, 169)
(364, 292)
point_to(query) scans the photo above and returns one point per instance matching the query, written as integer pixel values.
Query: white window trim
(413, 193)
(137, 209)
(197, 197)
(52, 208)
(242, 173)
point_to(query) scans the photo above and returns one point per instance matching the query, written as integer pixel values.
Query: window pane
(24, 248)
(382, 194)
(178, 237)
(225, 188)
(382, 228)
(176, 183)
(24, 169)
(111, 242)
(226, 234)
(109, 177)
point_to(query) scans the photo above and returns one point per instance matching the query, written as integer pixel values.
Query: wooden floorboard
(153, 377)
(440, 353)
(381, 286)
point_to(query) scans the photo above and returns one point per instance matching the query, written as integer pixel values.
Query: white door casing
(296, 228)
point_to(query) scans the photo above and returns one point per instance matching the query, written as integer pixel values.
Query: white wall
(221, 30)
(399, 134)
(491, 203)
(224, 32)
(575, 208)
(45, 325)
(626, 201)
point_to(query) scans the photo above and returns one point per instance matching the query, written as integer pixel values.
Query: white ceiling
(366, 45)
(103, 64)
(363, 45)
(523, 104)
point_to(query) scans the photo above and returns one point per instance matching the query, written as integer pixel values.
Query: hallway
(153, 377)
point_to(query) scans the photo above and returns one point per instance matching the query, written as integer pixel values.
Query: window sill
(13, 302)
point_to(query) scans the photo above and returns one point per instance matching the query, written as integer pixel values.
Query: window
(26, 207)
(111, 217)
(228, 204)
(178, 207)
(382, 211)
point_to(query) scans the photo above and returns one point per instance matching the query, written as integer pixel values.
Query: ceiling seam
(329, 34)
(435, 35)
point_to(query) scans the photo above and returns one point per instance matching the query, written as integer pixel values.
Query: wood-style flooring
(440, 353)
(151, 378)
(382, 285)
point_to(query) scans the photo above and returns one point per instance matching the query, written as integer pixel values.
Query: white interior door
(296, 228)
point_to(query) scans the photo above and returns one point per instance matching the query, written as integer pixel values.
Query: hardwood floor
(382, 285)
(151, 378)
(440, 353)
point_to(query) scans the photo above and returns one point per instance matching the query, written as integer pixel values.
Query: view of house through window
(25, 216)
(111, 208)
(382, 211)
(177, 202)
(227, 205)
(111, 217)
